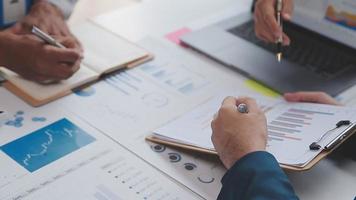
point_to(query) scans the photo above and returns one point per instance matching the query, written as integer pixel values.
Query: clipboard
(324, 153)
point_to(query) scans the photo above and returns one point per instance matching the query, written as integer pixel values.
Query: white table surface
(332, 178)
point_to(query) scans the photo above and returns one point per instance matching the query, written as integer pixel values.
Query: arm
(240, 140)
(256, 176)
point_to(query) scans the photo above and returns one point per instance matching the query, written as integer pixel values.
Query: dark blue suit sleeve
(256, 176)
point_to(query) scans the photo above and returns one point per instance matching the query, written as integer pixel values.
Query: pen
(46, 38)
(280, 23)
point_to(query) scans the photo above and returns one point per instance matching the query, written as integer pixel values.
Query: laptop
(321, 57)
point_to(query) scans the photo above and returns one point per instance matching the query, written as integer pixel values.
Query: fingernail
(287, 16)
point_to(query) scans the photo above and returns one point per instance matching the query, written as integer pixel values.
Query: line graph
(47, 144)
(44, 146)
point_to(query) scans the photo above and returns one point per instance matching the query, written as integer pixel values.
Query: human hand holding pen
(237, 133)
(35, 60)
(49, 19)
(266, 25)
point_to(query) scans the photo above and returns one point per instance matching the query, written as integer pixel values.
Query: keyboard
(312, 53)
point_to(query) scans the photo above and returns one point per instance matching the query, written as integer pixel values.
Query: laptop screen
(335, 19)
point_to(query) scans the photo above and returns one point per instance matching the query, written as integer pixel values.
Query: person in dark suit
(240, 140)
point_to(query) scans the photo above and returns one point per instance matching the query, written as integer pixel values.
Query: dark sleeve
(256, 176)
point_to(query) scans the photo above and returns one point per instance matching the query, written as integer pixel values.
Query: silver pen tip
(279, 57)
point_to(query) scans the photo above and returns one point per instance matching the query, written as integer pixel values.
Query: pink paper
(176, 35)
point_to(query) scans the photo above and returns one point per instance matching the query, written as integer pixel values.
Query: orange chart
(342, 18)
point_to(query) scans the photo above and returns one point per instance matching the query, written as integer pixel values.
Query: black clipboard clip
(315, 146)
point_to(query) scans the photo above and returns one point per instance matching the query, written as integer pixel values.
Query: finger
(71, 69)
(262, 30)
(229, 102)
(228, 106)
(286, 40)
(267, 35)
(251, 104)
(32, 76)
(311, 97)
(72, 43)
(268, 13)
(66, 71)
(56, 71)
(62, 55)
(288, 7)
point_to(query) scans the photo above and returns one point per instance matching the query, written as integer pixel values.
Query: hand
(49, 19)
(237, 134)
(312, 97)
(34, 60)
(266, 25)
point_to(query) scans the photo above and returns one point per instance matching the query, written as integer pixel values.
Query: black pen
(280, 23)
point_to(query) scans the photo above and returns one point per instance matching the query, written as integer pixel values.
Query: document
(194, 127)
(292, 126)
(129, 105)
(48, 153)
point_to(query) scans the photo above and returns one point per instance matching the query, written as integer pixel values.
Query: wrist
(243, 156)
(232, 158)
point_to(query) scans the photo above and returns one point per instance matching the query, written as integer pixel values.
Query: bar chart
(290, 124)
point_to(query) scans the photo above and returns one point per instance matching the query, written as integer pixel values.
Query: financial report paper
(48, 153)
(292, 126)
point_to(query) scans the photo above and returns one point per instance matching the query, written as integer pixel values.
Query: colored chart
(18, 119)
(47, 145)
(340, 17)
(177, 77)
(86, 92)
(290, 124)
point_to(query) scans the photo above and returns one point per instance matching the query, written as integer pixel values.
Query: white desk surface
(332, 178)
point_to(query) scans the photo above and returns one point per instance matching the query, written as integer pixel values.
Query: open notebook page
(43, 92)
(105, 51)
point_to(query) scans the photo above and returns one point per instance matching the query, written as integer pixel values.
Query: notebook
(104, 52)
(292, 128)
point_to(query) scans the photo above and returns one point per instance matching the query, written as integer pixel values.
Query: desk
(88, 9)
(332, 178)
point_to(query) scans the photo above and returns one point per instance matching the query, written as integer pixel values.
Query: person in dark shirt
(240, 140)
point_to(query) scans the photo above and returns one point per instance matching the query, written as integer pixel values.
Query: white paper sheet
(292, 126)
(48, 153)
(130, 105)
